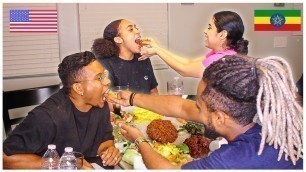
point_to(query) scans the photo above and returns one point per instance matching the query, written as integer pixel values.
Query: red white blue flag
(36, 21)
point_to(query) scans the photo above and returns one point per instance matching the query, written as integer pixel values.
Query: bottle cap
(68, 149)
(176, 78)
(51, 146)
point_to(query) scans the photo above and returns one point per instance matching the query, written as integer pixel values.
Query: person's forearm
(169, 55)
(104, 146)
(184, 66)
(21, 161)
(171, 106)
(152, 159)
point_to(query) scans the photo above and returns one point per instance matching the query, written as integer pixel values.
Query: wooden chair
(24, 98)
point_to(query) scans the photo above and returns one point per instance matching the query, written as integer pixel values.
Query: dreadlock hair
(266, 86)
(71, 67)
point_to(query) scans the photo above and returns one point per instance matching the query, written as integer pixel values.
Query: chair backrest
(24, 98)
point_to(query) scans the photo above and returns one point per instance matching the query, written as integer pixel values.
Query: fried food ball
(162, 131)
(198, 146)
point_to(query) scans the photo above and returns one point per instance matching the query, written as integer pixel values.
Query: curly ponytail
(106, 46)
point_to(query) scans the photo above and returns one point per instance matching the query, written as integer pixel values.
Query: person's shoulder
(227, 52)
(56, 99)
(106, 59)
(55, 103)
(243, 145)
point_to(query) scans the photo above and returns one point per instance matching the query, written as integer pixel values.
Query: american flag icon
(37, 21)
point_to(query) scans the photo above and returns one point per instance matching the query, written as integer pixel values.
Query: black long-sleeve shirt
(55, 122)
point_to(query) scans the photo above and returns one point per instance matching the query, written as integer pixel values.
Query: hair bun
(242, 46)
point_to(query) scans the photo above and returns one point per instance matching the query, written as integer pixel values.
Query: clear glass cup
(80, 158)
(116, 89)
(175, 87)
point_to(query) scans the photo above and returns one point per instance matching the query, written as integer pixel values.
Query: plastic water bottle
(68, 160)
(50, 158)
(175, 87)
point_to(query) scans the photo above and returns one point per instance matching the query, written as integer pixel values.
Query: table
(98, 161)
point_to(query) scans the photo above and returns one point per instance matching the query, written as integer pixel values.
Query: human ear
(223, 34)
(78, 88)
(118, 40)
(220, 118)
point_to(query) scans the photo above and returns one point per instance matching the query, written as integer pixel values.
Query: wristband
(140, 140)
(132, 99)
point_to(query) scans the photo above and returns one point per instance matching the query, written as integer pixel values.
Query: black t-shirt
(53, 122)
(137, 74)
(81, 121)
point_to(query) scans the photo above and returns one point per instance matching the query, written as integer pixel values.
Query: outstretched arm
(171, 106)
(184, 66)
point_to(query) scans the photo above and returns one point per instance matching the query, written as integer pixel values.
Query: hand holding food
(151, 46)
(122, 97)
(110, 95)
(149, 42)
(130, 133)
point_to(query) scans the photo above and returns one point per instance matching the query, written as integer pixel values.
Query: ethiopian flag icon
(277, 20)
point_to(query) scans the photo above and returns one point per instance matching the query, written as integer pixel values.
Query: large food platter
(141, 119)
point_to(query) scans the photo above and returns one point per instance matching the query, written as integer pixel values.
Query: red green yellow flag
(277, 20)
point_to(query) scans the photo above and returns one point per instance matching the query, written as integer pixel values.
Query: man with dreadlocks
(234, 92)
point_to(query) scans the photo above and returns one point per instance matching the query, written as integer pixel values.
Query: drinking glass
(116, 89)
(80, 158)
(175, 87)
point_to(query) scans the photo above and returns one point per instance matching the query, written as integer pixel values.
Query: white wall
(185, 37)
(69, 31)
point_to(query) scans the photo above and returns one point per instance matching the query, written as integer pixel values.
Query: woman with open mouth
(118, 51)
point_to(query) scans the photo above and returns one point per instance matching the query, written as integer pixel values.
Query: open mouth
(138, 41)
(105, 94)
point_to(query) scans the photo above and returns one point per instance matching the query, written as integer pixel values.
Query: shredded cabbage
(129, 155)
(172, 153)
(144, 116)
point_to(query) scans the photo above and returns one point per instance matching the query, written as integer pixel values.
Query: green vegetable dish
(193, 128)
